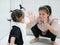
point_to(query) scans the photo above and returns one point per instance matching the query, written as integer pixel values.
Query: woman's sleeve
(54, 24)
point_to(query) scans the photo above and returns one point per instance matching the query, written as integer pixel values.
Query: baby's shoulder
(15, 28)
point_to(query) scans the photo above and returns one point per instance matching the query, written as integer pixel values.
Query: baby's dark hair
(47, 8)
(17, 13)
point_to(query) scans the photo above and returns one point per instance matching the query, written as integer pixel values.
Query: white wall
(5, 25)
(4, 15)
(15, 4)
(55, 7)
(30, 5)
(5, 7)
(33, 5)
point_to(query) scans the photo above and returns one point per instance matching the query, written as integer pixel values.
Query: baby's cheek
(23, 20)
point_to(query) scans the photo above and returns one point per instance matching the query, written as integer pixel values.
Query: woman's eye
(39, 14)
(43, 14)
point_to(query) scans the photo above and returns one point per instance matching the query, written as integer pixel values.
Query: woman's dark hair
(47, 8)
(16, 14)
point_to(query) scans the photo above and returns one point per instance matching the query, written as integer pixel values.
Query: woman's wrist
(47, 25)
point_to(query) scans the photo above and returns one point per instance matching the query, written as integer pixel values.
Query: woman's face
(43, 14)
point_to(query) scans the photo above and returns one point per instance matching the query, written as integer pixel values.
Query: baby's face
(42, 14)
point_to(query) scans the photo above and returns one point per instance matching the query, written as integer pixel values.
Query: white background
(4, 15)
(30, 5)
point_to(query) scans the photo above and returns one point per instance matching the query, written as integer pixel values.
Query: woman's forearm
(29, 25)
(52, 30)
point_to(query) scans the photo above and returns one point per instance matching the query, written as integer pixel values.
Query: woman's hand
(31, 17)
(46, 20)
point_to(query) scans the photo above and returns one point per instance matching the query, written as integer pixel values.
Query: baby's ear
(11, 11)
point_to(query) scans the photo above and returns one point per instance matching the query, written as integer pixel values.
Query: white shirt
(22, 26)
(52, 20)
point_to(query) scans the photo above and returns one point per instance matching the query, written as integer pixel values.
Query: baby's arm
(14, 34)
(12, 41)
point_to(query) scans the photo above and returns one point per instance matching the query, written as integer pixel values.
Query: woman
(44, 25)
